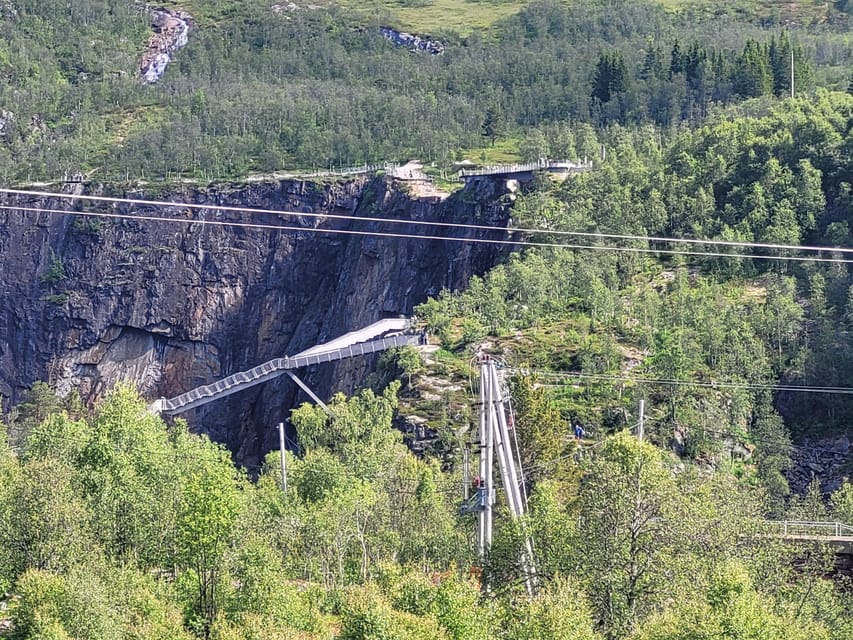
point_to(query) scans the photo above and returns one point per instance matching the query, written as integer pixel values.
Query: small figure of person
(579, 430)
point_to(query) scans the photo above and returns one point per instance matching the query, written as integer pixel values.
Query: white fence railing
(351, 171)
(539, 165)
(809, 528)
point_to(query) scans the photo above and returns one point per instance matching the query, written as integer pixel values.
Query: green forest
(257, 90)
(117, 525)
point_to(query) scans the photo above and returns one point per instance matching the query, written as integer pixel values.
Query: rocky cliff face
(824, 459)
(87, 302)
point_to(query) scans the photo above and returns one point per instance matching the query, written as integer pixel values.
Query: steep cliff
(87, 301)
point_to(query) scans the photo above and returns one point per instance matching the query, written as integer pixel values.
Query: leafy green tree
(773, 455)
(783, 316)
(263, 594)
(57, 606)
(628, 504)
(420, 497)
(40, 402)
(93, 603)
(842, 503)
(672, 361)
(541, 431)
(553, 522)
(809, 506)
(368, 616)
(535, 146)
(644, 532)
(461, 612)
(557, 612)
(131, 478)
(210, 505)
(9, 480)
(359, 430)
(58, 436)
(410, 362)
(51, 525)
(731, 608)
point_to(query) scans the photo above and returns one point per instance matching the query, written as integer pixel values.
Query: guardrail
(812, 528)
(540, 165)
(351, 171)
(274, 368)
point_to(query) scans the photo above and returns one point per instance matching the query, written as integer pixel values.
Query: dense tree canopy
(257, 89)
(367, 541)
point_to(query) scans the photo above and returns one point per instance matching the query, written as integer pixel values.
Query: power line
(415, 236)
(455, 225)
(688, 383)
(530, 470)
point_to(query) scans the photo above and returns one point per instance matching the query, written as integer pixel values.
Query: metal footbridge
(385, 334)
(835, 534)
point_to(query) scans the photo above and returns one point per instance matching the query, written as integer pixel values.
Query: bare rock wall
(86, 302)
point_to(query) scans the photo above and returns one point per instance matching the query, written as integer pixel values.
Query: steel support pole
(490, 466)
(307, 390)
(482, 488)
(510, 475)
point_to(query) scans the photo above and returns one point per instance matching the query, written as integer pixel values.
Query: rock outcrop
(826, 459)
(87, 302)
(412, 42)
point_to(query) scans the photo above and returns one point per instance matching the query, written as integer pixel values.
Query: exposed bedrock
(87, 302)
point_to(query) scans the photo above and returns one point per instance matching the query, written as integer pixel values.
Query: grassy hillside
(465, 16)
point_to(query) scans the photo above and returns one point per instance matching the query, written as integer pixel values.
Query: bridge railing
(274, 368)
(351, 171)
(539, 165)
(811, 528)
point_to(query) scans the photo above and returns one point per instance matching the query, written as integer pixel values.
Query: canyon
(87, 302)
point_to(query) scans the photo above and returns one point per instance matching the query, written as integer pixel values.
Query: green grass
(504, 151)
(464, 16)
(803, 12)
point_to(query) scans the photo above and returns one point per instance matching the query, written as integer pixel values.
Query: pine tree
(611, 76)
(676, 59)
(752, 75)
(493, 124)
(652, 63)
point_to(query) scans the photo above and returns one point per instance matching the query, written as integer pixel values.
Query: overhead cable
(454, 225)
(416, 236)
(687, 383)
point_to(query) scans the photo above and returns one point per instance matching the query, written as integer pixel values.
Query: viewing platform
(557, 169)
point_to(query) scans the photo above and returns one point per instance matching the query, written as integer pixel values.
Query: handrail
(274, 368)
(350, 171)
(833, 529)
(524, 167)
